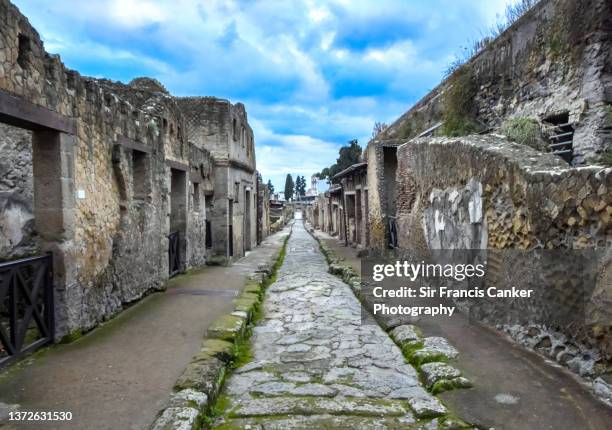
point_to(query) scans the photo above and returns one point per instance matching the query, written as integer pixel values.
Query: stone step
(272, 406)
(322, 422)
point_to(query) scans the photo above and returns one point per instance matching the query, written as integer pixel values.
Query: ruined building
(509, 158)
(550, 72)
(124, 186)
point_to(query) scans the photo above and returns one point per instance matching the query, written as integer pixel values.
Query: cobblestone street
(315, 365)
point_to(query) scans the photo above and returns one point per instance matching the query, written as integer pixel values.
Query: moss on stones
(227, 327)
(216, 348)
(72, 336)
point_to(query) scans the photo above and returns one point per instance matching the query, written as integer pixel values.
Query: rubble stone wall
(222, 127)
(533, 215)
(17, 233)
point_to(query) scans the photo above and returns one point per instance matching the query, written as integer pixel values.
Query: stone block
(252, 287)
(227, 327)
(434, 349)
(204, 376)
(437, 371)
(216, 348)
(176, 419)
(406, 334)
(188, 398)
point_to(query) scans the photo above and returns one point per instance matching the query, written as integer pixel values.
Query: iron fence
(26, 306)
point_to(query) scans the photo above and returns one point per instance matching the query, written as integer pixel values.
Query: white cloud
(135, 13)
(312, 73)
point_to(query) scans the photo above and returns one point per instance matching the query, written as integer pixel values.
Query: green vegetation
(216, 410)
(72, 336)
(405, 130)
(241, 351)
(524, 131)
(459, 115)
(348, 155)
(606, 158)
(289, 185)
(300, 186)
(270, 186)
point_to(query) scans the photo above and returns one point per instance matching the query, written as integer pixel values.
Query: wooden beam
(126, 142)
(177, 165)
(21, 113)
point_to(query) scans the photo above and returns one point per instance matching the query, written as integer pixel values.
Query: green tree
(348, 155)
(270, 186)
(289, 185)
(300, 186)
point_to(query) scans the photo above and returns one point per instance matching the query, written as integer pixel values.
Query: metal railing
(27, 319)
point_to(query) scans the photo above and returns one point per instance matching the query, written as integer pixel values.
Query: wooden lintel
(21, 113)
(126, 142)
(177, 165)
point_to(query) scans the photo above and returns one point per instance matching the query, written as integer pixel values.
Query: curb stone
(199, 385)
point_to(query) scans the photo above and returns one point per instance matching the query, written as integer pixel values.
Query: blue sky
(312, 74)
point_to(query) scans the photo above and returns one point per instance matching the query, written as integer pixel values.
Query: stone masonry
(524, 209)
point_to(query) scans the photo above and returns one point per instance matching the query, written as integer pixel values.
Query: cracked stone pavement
(316, 365)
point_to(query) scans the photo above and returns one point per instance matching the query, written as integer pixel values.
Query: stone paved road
(315, 365)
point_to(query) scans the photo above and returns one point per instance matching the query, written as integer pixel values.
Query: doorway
(247, 219)
(178, 221)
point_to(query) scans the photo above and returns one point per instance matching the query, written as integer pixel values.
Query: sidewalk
(513, 388)
(119, 375)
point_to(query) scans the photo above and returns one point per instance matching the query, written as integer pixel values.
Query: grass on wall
(606, 158)
(459, 110)
(524, 131)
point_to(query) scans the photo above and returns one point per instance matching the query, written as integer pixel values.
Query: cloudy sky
(313, 74)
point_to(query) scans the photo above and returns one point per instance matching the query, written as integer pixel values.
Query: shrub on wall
(459, 110)
(525, 131)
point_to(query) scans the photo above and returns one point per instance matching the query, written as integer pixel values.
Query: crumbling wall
(263, 211)
(17, 233)
(538, 223)
(112, 245)
(555, 59)
(381, 184)
(222, 128)
(201, 184)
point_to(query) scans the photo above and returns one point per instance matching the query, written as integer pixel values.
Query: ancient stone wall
(201, 185)
(114, 172)
(223, 128)
(381, 203)
(554, 60)
(17, 233)
(263, 211)
(536, 219)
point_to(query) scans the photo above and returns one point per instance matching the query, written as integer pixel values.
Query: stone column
(53, 156)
